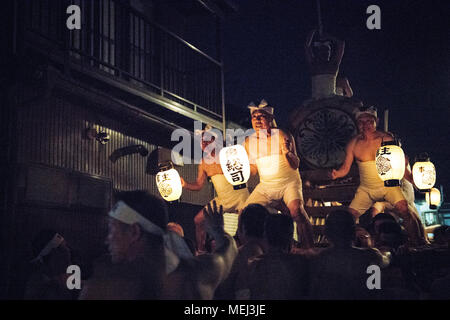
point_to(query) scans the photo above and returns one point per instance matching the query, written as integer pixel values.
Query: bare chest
(365, 150)
(264, 146)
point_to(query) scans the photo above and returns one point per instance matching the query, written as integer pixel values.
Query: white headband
(263, 106)
(369, 111)
(52, 244)
(322, 43)
(174, 246)
(122, 212)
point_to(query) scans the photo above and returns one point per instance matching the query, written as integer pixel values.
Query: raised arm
(215, 267)
(338, 52)
(308, 51)
(346, 165)
(198, 184)
(289, 150)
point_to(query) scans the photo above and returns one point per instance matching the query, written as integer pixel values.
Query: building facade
(71, 98)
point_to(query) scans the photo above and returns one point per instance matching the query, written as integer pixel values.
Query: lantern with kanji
(390, 162)
(235, 165)
(433, 198)
(168, 182)
(424, 173)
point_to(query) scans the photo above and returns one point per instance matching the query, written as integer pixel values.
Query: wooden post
(386, 120)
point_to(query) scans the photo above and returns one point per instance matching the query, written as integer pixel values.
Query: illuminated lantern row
(424, 174)
(433, 198)
(169, 182)
(390, 162)
(235, 165)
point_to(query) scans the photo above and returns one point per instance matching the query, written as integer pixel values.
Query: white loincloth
(323, 86)
(371, 189)
(408, 192)
(277, 181)
(231, 200)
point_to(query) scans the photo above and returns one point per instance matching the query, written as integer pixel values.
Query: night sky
(404, 67)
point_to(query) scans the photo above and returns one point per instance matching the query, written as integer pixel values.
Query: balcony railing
(121, 42)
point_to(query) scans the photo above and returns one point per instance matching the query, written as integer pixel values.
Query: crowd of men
(149, 257)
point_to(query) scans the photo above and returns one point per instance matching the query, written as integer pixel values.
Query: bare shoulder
(357, 137)
(354, 141)
(283, 133)
(249, 138)
(288, 135)
(386, 136)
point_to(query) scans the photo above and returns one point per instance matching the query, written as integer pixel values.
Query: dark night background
(403, 67)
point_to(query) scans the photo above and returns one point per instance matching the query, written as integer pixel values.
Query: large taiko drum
(322, 128)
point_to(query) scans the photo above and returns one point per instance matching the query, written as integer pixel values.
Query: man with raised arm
(323, 57)
(231, 200)
(363, 148)
(149, 262)
(273, 156)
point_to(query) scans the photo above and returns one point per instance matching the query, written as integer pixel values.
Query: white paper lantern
(169, 183)
(433, 198)
(235, 165)
(424, 175)
(390, 161)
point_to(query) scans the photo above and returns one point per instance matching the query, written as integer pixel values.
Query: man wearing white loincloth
(231, 200)
(273, 156)
(407, 187)
(323, 58)
(363, 148)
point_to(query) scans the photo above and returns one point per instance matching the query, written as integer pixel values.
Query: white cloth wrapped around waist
(408, 193)
(368, 175)
(225, 190)
(323, 86)
(275, 170)
(407, 190)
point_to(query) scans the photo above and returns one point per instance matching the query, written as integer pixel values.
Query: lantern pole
(386, 120)
(319, 19)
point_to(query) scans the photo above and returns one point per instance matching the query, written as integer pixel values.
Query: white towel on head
(174, 246)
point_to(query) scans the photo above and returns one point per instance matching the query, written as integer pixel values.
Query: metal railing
(122, 42)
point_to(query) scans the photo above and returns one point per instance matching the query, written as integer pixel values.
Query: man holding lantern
(363, 148)
(273, 156)
(230, 199)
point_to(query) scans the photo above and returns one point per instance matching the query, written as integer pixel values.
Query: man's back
(135, 280)
(342, 273)
(279, 276)
(237, 279)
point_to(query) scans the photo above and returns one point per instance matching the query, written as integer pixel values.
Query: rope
(319, 19)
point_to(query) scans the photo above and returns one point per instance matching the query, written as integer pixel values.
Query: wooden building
(128, 76)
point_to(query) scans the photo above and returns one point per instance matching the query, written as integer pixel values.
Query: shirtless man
(147, 262)
(231, 200)
(340, 271)
(323, 57)
(278, 274)
(273, 156)
(363, 148)
(407, 187)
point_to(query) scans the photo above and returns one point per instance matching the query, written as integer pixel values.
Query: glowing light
(433, 198)
(424, 175)
(169, 183)
(235, 165)
(390, 162)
